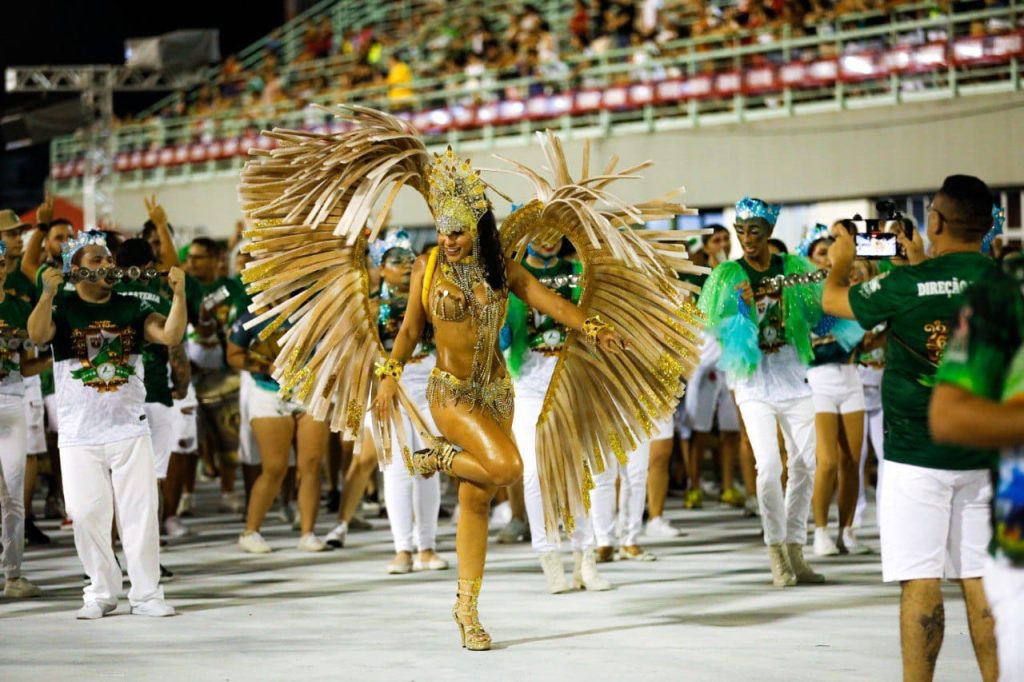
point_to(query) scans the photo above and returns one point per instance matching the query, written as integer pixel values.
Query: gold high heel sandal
(474, 637)
(438, 457)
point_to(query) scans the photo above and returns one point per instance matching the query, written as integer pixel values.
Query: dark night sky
(93, 32)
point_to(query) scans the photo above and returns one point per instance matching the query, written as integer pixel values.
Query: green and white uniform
(985, 356)
(13, 432)
(928, 488)
(106, 451)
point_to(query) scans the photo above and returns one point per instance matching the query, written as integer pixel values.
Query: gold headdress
(456, 194)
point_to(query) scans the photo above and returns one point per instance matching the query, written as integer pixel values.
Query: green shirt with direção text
(918, 301)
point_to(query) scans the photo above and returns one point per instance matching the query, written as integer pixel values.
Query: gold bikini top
(445, 306)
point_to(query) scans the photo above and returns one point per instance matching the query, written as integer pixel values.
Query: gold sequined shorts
(497, 397)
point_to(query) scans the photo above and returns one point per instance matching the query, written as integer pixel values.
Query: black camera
(875, 242)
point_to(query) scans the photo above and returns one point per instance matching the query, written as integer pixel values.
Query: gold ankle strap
(469, 587)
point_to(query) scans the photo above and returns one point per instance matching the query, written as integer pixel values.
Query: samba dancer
(764, 330)
(106, 451)
(535, 340)
(14, 366)
(310, 269)
(413, 502)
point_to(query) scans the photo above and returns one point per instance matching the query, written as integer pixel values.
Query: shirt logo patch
(103, 350)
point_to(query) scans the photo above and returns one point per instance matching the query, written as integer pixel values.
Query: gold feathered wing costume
(599, 404)
(308, 205)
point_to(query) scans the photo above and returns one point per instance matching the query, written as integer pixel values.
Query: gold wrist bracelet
(389, 368)
(592, 326)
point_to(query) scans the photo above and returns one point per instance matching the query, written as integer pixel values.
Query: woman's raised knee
(508, 472)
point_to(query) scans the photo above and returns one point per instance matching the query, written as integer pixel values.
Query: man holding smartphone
(934, 507)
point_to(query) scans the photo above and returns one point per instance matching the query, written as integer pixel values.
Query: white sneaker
(660, 528)
(20, 588)
(155, 608)
(253, 543)
(501, 514)
(311, 543)
(751, 508)
(174, 528)
(233, 503)
(851, 544)
(435, 564)
(94, 610)
(824, 545)
(336, 538)
(186, 506)
(287, 513)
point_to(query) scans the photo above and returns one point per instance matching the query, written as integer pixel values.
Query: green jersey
(13, 341)
(46, 377)
(917, 301)
(155, 356)
(771, 327)
(543, 332)
(97, 366)
(223, 299)
(985, 356)
(16, 284)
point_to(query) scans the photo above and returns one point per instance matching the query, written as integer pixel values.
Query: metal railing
(688, 86)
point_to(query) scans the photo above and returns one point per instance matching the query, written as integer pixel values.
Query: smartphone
(876, 245)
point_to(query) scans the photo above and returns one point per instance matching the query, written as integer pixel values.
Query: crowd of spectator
(512, 50)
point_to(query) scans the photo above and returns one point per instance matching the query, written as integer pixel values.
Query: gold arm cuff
(389, 368)
(592, 326)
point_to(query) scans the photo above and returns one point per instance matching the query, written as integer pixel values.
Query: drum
(217, 393)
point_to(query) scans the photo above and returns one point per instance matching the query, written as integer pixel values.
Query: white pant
(524, 428)
(873, 436)
(783, 515)
(632, 496)
(934, 523)
(1004, 587)
(102, 479)
(35, 418)
(161, 420)
(413, 502)
(413, 505)
(248, 448)
(12, 482)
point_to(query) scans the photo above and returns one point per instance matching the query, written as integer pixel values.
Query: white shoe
(154, 608)
(660, 528)
(336, 538)
(186, 506)
(311, 543)
(435, 564)
(750, 507)
(253, 543)
(233, 503)
(851, 544)
(287, 513)
(642, 555)
(174, 528)
(824, 545)
(551, 563)
(20, 588)
(585, 575)
(501, 514)
(94, 610)
(399, 567)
